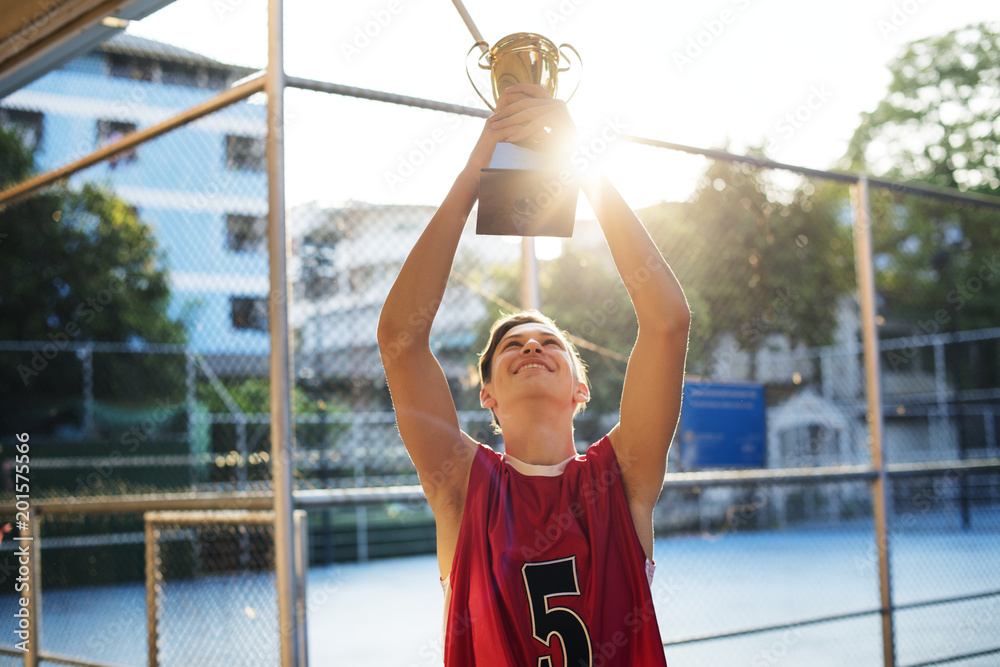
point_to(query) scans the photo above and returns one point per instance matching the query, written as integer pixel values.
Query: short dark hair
(508, 322)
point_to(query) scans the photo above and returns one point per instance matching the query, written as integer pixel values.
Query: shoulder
(602, 454)
(486, 464)
(487, 456)
(625, 459)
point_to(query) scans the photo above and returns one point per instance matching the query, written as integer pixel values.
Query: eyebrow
(545, 334)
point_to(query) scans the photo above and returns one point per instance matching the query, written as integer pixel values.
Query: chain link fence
(214, 571)
(135, 353)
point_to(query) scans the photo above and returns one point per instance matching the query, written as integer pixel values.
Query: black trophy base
(527, 202)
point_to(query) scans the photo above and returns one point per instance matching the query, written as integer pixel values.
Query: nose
(531, 346)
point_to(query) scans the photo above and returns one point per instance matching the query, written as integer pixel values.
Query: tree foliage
(78, 262)
(76, 265)
(938, 121)
(753, 259)
(936, 261)
(758, 260)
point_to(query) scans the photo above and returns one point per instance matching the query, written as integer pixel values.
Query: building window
(245, 153)
(246, 233)
(179, 74)
(217, 79)
(192, 76)
(130, 67)
(25, 124)
(110, 131)
(249, 313)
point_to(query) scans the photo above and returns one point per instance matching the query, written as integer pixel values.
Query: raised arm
(651, 396)
(425, 411)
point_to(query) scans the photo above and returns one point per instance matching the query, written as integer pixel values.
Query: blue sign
(722, 426)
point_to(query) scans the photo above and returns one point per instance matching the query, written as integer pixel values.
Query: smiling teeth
(532, 366)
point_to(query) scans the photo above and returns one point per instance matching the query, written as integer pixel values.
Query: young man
(545, 555)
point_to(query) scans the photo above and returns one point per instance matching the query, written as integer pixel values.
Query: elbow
(385, 327)
(406, 325)
(396, 337)
(673, 321)
(384, 332)
(389, 330)
(684, 319)
(679, 328)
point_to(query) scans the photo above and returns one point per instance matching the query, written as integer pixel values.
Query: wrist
(471, 175)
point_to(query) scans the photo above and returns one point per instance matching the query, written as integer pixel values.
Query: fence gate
(211, 588)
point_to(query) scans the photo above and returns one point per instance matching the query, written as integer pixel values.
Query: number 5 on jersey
(550, 579)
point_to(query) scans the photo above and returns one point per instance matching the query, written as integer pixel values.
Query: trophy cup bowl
(537, 201)
(523, 57)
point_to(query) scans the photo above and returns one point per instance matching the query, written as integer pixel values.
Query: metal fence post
(31, 535)
(301, 518)
(282, 461)
(191, 401)
(530, 295)
(865, 269)
(87, 359)
(152, 569)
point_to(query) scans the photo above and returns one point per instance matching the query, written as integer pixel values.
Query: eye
(510, 344)
(553, 341)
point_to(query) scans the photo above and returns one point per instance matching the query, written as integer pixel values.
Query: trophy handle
(481, 66)
(579, 66)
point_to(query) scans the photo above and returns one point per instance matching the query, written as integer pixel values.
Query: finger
(523, 111)
(503, 133)
(506, 99)
(534, 128)
(530, 89)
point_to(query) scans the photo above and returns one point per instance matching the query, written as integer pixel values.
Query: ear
(486, 398)
(582, 393)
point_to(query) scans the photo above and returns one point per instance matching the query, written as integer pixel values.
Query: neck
(540, 439)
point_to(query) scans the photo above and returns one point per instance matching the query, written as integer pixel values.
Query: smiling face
(528, 355)
(532, 347)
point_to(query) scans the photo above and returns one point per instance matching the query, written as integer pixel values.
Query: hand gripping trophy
(527, 190)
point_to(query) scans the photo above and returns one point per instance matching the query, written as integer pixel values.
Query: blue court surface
(389, 612)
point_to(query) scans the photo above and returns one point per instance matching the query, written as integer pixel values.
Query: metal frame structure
(154, 578)
(196, 506)
(873, 389)
(274, 81)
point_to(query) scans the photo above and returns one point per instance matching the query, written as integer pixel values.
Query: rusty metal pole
(282, 461)
(865, 270)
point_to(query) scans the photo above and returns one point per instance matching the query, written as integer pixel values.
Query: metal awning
(37, 37)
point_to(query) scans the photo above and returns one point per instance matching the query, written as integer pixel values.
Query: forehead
(529, 329)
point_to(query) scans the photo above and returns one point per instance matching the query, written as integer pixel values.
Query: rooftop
(128, 44)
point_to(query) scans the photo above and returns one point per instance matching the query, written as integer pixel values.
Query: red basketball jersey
(549, 571)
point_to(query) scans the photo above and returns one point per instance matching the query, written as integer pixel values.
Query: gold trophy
(525, 191)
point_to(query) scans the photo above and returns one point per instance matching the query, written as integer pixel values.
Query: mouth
(530, 365)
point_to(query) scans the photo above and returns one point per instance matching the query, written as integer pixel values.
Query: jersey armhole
(605, 442)
(445, 581)
(482, 451)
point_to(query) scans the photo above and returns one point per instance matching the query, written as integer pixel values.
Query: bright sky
(789, 74)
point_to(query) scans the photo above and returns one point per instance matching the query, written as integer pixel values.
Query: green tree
(757, 259)
(754, 260)
(937, 124)
(76, 265)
